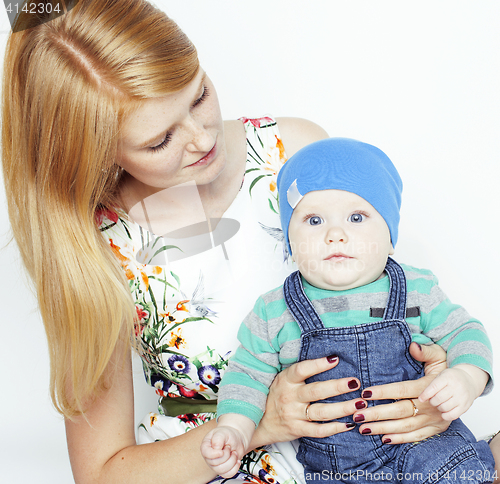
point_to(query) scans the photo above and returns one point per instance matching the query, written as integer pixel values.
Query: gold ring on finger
(307, 413)
(415, 409)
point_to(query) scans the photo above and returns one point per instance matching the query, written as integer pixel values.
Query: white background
(420, 80)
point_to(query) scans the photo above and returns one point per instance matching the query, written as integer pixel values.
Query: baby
(339, 208)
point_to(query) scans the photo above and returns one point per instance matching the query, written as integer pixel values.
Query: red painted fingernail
(360, 405)
(366, 394)
(366, 431)
(332, 358)
(350, 425)
(360, 418)
(352, 384)
(387, 441)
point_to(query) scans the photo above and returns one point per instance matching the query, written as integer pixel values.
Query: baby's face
(338, 240)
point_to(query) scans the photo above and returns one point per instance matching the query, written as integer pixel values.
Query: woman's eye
(163, 144)
(315, 220)
(356, 218)
(203, 96)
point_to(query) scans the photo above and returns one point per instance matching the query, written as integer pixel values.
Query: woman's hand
(396, 421)
(288, 407)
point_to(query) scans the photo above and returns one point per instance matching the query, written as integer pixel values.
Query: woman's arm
(102, 445)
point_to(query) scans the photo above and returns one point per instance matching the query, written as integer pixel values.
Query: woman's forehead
(154, 116)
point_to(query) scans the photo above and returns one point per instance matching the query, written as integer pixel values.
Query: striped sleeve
(449, 325)
(251, 370)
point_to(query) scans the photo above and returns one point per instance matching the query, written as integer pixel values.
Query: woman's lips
(207, 158)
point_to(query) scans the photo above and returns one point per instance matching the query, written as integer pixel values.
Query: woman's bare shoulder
(298, 132)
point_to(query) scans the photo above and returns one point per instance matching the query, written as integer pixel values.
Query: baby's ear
(391, 251)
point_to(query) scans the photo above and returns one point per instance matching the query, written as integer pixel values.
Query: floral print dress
(189, 309)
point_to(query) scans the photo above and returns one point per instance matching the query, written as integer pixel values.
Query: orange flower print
(145, 278)
(129, 264)
(166, 315)
(157, 270)
(116, 250)
(181, 305)
(177, 340)
(272, 185)
(265, 462)
(281, 148)
(275, 158)
(152, 419)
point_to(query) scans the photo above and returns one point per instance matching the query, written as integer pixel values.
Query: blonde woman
(112, 137)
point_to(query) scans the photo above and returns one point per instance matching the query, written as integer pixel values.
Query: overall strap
(396, 304)
(299, 304)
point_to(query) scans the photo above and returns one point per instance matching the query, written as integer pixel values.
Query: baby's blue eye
(356, 218)
(315, 220)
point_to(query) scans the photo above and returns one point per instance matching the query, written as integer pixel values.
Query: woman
(105, 113)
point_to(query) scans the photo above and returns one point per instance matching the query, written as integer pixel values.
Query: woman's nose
(199, 138)
(335, 235)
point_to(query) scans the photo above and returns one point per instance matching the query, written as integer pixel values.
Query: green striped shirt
(270, 337)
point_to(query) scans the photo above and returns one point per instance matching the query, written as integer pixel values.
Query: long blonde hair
(68, 83)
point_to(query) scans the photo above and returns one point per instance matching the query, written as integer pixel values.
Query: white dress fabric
(192, 294)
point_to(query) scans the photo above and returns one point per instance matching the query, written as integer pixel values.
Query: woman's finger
(302, 370)
(324, 412)
(413, 436)
(433, 356)
(321, 390)
(426, 421)
(403, 426)
(319, 419)
(395, 391)
(391, 411)
(320, 431)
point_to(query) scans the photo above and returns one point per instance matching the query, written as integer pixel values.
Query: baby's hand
(223, 449)
(454, 390)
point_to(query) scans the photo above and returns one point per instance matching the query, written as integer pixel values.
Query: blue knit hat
(342, 164)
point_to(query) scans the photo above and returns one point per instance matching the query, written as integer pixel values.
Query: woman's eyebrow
(164, 132)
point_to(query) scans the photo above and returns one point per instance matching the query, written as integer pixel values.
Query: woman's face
(175, 139)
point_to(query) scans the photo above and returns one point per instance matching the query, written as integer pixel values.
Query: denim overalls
(377, 353)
